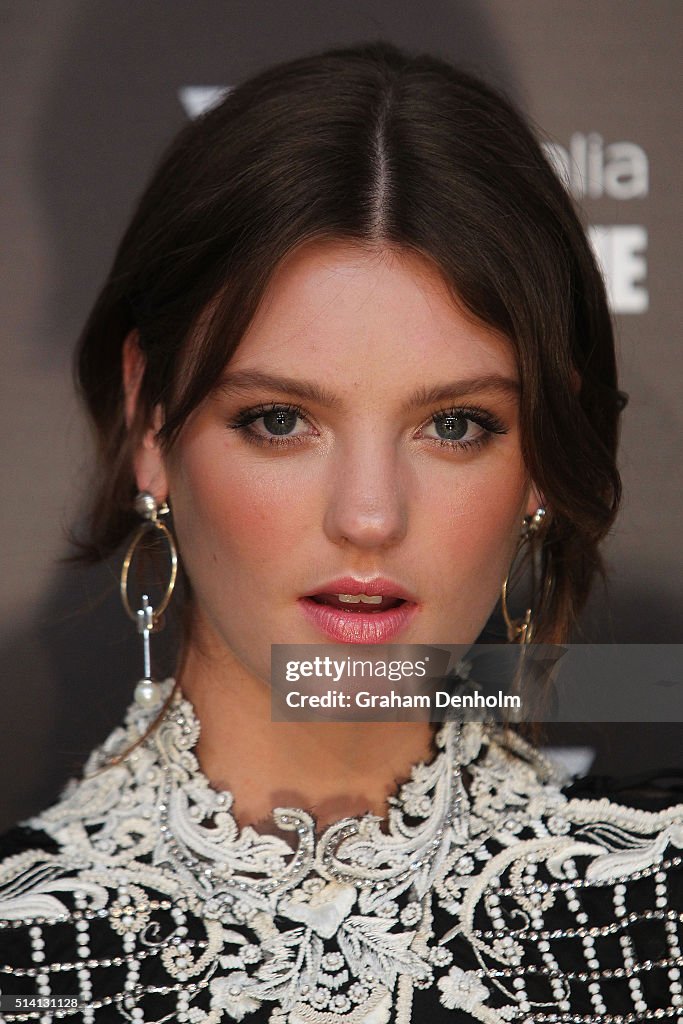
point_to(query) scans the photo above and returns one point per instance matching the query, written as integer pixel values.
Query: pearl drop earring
(147, 618)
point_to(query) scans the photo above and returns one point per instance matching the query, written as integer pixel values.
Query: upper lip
(351, 585)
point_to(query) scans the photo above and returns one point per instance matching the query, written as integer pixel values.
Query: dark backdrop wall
(93, 91)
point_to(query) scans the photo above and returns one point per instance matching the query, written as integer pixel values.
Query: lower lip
(358, 627)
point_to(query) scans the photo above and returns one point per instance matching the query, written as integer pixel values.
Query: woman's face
(344, 452)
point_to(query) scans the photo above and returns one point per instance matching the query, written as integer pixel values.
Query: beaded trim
(478, 901)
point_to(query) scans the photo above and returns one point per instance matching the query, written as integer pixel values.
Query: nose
(367, 505)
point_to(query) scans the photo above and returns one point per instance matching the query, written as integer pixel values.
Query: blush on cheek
(477, 539)
(238, 511)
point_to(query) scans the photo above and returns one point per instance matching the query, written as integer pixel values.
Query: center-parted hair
(381, 148)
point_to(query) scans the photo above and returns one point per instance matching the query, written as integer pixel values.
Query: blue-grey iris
(450, 428)
(280, 421)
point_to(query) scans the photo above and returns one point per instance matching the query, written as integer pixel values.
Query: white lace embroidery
(344, 928)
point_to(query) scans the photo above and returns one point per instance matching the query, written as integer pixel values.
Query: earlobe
(536, 500)
(148, 461)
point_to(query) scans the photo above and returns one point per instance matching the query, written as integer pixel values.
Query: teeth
(357, 598)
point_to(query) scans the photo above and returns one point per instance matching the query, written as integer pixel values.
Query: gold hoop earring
(146, 617)
(521, 630)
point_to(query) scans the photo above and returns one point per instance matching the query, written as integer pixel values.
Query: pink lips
(364, 626)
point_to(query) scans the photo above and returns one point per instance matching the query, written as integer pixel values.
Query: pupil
(451, 428)
(279, 421)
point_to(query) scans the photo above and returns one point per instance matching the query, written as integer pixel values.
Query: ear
(148, 461)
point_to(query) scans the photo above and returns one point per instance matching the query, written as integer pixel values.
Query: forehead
(345, 310)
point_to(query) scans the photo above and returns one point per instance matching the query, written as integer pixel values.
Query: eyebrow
(494, 383)
(239, 381)
(247, 380)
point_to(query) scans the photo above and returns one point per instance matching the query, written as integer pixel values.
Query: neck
(330, 769)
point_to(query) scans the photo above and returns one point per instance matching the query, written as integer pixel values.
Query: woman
(355, 339)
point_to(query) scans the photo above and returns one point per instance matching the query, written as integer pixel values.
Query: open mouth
(358, 618)
(358, 603)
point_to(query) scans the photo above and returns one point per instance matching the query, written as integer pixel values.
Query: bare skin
(363, 487)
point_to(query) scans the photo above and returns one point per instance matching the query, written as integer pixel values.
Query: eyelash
(243, 420)
(246, 417)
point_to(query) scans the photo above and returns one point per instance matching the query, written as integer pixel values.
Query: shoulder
(82, 856)
(89, 908)
(24, 839)
(569, 901)
(654, 791)
(526, 802)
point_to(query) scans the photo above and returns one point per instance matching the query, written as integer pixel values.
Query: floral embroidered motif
(130, 912)
(481, 898)
(462, 990)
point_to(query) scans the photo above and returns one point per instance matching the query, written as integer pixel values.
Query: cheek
(229, 512)
(477, 528)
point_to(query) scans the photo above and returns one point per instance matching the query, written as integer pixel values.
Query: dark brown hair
(379, 147)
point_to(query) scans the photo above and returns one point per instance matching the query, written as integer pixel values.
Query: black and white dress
(489, 895)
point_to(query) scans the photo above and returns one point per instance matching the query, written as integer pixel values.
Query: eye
(451, 426)
(279, 421)
(272, 424)
(454, 428)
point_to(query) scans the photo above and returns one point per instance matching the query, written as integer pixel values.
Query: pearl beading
(295, 871)
(75, 965)
(606, 1018)
(120, 999)
(578, 883)
(594, 931)
(593, 975)
(305, 854)
(200, 870)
